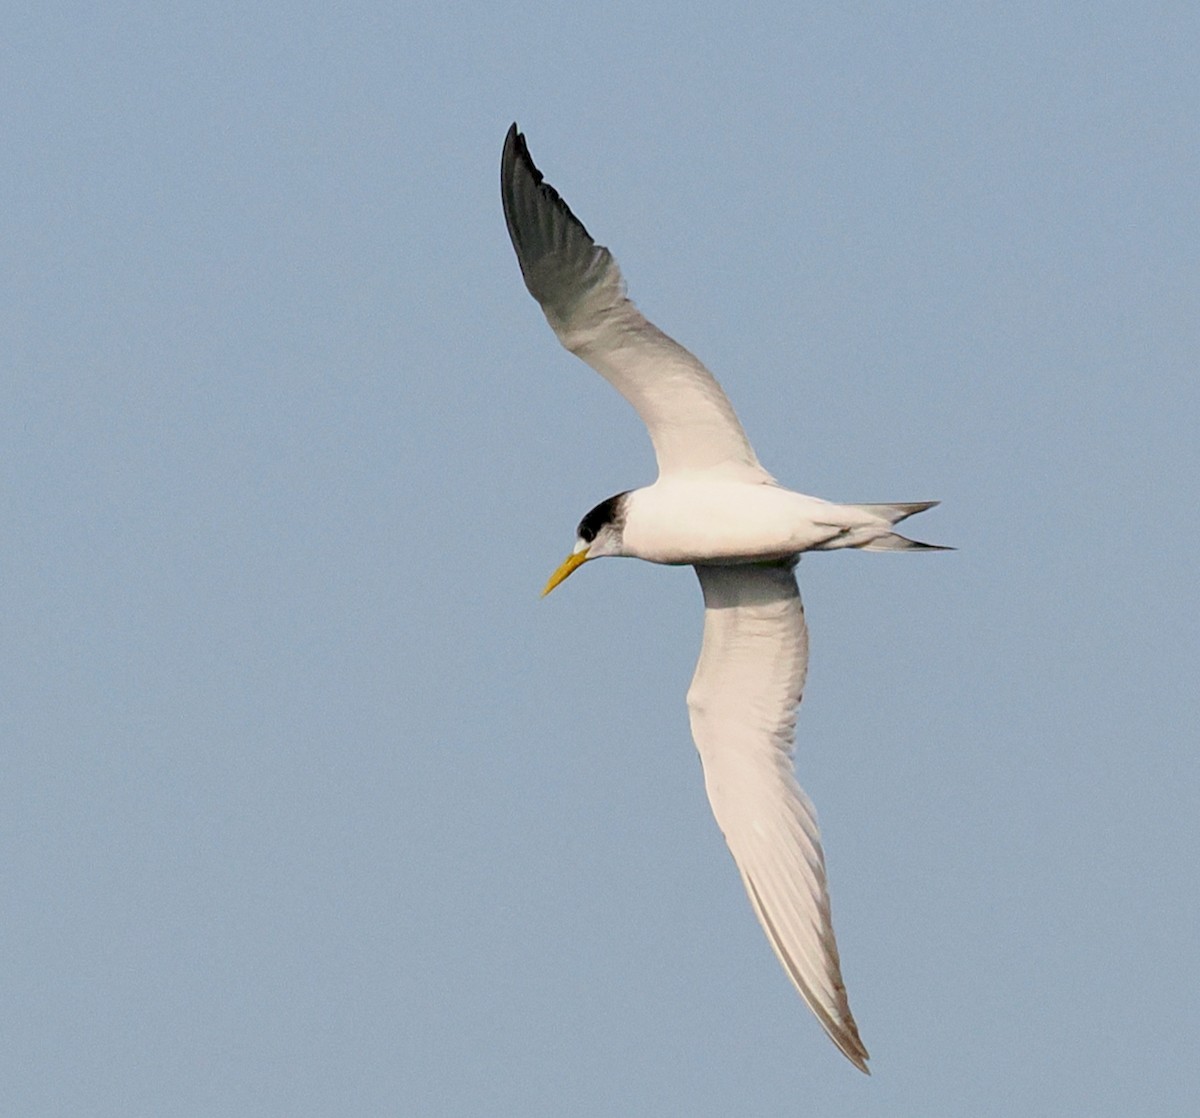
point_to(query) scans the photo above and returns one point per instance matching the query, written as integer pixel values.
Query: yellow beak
(569, 564)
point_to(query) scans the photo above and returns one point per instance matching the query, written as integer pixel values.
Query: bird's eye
(605, 513)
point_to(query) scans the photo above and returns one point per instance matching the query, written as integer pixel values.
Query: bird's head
(599, 534)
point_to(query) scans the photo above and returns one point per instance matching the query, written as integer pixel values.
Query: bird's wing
(742, 704)
(579, 286)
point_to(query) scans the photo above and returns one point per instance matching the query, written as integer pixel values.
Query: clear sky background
(309, 806)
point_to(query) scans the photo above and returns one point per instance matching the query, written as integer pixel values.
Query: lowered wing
(742, 704)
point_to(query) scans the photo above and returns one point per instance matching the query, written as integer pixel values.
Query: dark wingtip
(516, 162)
(516, 152)
(515, 148)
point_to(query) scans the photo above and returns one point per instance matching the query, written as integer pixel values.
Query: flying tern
(713, 507)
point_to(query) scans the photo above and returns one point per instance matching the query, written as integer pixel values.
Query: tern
(715, 508)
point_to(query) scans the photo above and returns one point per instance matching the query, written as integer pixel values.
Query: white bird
(713, 507)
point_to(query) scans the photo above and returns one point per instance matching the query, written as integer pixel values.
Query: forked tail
(893, 514)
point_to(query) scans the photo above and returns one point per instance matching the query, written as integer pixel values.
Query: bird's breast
(697, 521)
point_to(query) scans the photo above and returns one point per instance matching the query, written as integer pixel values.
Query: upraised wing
(742, 704)
(579, 286)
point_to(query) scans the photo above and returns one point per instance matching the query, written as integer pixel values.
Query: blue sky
(309, 806)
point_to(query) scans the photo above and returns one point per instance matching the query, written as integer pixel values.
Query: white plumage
(713, 506)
